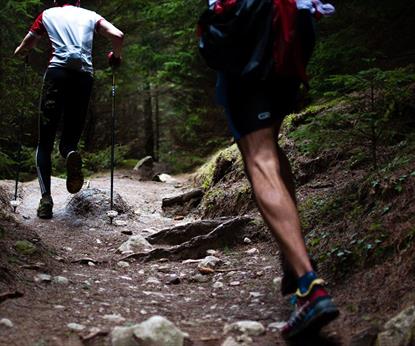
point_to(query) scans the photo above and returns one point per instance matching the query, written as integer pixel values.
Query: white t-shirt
(70, 30)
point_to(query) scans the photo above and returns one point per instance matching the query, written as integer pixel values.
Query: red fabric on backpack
(287, 50)
(287, 46)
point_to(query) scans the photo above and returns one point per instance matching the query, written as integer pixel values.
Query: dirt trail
(137, 292)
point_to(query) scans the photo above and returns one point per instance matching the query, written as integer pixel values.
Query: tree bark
(148, 120)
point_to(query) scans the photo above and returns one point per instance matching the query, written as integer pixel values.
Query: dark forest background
(165, 94)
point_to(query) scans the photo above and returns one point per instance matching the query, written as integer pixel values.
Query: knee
(263, 167)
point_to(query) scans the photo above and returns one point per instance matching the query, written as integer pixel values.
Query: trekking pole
(15, 202)
(112, 213)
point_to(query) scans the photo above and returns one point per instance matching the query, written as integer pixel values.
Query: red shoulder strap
(287, 48)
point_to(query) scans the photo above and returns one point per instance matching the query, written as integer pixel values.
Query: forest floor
(100, 294)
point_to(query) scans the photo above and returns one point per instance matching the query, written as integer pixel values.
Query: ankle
(305, 281)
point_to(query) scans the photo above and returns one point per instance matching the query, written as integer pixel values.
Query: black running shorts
(252, 105)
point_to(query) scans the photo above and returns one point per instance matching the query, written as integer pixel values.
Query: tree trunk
(148, 121)
(157, 121)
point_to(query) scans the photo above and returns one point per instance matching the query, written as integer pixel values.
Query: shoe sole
(45, 217)
(326, 313)
(75, 178)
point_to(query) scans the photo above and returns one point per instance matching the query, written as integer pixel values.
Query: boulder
(156, 331)
(95, 203)
(164, 178)
(400, 330)
(135, 244)
(123, 336)
(144, 168)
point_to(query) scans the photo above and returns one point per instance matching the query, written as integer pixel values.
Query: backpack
(235, 36)
(251, 38)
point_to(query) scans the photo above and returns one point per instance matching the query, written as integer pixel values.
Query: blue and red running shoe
(313, 310)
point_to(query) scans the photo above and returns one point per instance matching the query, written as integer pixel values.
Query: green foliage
(371, 112)
(205, 174)
(101, 160)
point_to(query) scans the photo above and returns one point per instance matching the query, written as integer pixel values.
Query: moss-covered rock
(25, 247)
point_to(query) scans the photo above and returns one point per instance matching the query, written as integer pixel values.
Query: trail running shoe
(313, 310)
(74, 176)
(44, 211)
(289, 279)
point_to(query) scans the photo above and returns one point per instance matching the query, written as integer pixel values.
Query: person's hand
(113, 60)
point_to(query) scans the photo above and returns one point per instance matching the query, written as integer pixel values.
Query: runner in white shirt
(67, 86)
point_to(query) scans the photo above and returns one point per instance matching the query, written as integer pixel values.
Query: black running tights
(65, 94)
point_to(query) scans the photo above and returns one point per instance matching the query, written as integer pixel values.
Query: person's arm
(29, 42)
(115, 35)
(32, 38)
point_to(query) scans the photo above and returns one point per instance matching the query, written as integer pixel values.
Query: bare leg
(275, 202)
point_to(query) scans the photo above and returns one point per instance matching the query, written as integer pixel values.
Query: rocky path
(89, 287)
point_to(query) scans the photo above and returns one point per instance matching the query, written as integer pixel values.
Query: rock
(255, 294)
(218, 285)
(199, 278)
(116, 318)
(244, 340)
(6, 322)
(250, 328)
(173, 280)
(247, 240)
(230, 341)
(159, 331)
(156, 331)
(252, 251)
(120, 223)
(25, 247)
(276, 282)
(164, 178)
(123, 336)
(61, 280)
(123, 264)
(366, 337)
(210, 262)
(400, 330)
(135, 243)
(144, 162)
(276, 326)
(234, 283)
(75, 327)
(43, 278)
(95, 203)
(144, 168)
(153, 281)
